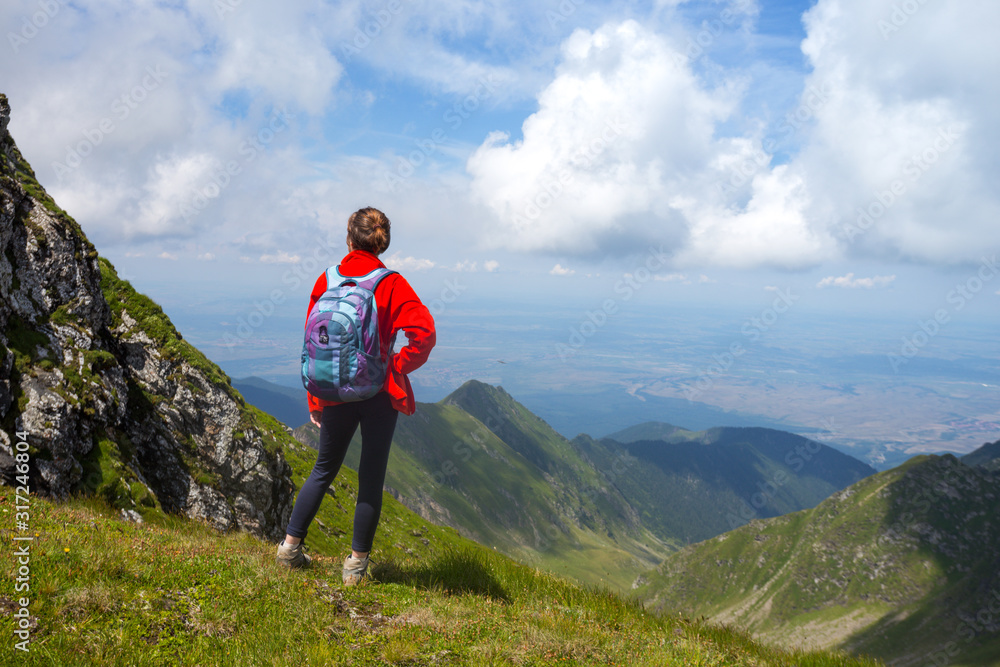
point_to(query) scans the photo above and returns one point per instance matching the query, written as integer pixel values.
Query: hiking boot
(292, 557)
(354, 569)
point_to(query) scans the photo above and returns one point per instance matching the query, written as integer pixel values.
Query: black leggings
(338, 424)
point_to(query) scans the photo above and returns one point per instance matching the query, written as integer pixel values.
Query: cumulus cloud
(624, 150)
(850, 282)
(399, 263)
(491, 265)
(890, 153)
(901, 153)
(559, 270)
(125, 142)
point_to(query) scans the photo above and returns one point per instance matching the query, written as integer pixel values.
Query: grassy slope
(593, 510)
(451, 465)
(717, 480)
(173, 591)
(887, 566)
(595, 534)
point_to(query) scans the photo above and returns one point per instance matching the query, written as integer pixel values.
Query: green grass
(173, 591)
(889, 567)
(151, 319)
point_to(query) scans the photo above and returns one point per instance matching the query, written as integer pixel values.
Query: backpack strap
(368, 281)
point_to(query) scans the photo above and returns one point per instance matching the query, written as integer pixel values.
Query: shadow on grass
(454, 572)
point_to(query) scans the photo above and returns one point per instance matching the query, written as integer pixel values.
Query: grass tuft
(174, 591)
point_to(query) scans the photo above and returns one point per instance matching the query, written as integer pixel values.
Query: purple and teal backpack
(342, 357)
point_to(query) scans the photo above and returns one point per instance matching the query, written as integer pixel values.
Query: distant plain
(829, 377)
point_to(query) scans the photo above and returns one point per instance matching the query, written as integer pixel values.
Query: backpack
(342, 358)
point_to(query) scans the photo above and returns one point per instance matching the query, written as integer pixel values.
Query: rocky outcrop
(111, 398)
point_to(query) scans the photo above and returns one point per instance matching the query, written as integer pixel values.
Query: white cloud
(850, 282)
(123, 142)
(466, 266)
(281, 257)
(491, 265)
(170, 187)
(910, 106)
(558, 270)
(399, 263)
(894, 127)
(624, 150)
(168, 255)
(629, 143)
(670, 277)
(206, 257)
(280, 53)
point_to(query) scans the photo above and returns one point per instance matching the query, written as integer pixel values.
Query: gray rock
(106, 406)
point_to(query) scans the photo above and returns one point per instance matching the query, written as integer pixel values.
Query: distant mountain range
(987, 456)
(602, 511)
(287, 404)
(904, 566)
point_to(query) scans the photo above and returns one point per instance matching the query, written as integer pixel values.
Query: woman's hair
(368, 229)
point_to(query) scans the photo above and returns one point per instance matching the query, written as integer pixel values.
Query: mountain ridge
(895, 566)
(574, 505)
(111, 397)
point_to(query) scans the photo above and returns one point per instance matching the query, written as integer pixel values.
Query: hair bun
(369, 230)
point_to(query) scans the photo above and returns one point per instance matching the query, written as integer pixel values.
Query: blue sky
(214, 148)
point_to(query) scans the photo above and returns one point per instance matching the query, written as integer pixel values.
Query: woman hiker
(398, 308)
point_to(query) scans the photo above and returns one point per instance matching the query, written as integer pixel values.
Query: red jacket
(399, 307)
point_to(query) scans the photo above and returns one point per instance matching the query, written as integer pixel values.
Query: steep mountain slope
(452, 469)
(987, 456)
(695, 485)
(904, 565)
(110, 397)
